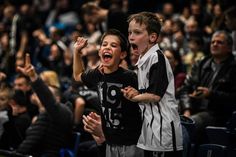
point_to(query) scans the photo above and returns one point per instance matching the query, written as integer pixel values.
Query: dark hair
(196, 39)
(124, 44)
(88, 8)
(19, 76)
(150, 20)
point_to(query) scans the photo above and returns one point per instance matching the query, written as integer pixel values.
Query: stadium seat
(211, 150)
(68, 152)
(218, 135)
(6, 153)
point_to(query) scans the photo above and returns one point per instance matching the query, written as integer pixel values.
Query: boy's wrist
(77, 52)
(100, 140)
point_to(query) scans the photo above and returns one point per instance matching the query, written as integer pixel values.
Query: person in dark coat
(52, 129)
(208, 95)
(19, 121)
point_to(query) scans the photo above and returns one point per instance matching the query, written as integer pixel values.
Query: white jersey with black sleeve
(161, 128)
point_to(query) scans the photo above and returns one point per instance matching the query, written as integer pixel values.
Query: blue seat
(188, 129)
(218, 135)
(71, 152)
(189, 124)
(211, 150)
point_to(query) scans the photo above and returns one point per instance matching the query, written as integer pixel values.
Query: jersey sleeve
(158, 80)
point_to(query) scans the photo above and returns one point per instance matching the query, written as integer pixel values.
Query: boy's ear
(153, 38)
(123, 54)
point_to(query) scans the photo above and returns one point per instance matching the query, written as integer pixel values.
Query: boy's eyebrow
(135, 29)
(104, 41)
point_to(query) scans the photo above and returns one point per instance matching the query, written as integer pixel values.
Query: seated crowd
(41, 104)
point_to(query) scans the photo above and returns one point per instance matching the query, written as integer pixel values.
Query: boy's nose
(108, 47)
(131, 38)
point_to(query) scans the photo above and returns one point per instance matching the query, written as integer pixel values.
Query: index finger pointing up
(27, 60)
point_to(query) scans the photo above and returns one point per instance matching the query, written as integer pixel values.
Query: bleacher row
(221, 140)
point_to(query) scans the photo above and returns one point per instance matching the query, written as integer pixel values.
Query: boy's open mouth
(106, 56)
(134, 46)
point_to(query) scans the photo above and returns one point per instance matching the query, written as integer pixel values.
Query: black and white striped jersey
(161, 128)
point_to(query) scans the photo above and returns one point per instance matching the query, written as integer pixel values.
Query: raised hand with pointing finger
(28, 69)
(53, 116)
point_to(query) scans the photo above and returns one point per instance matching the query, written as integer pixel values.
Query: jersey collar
(143, 59)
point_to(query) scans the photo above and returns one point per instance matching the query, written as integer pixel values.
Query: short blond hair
(50, 78)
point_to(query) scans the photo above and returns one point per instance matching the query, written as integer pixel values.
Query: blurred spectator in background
(51, 78)
(209, 92)
(166, 33)
(13, 25)
(18, 39)
(230, 21)
(19, 121)
(53, 128)
(168, 10)
(42, 9)
(105, 19)
(195, 52)
(19, 22)
(92, 33)
(22, 83)
(63, 14)
(5, 95)
(179, 70)
(83, 99)
(30, 24)
(7, 61)
(217, 22)
(185, 14)
(179, 41)
(202, 17)
(192, 28)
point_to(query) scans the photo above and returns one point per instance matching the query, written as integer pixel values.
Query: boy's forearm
(146, 97)
(78, 66)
